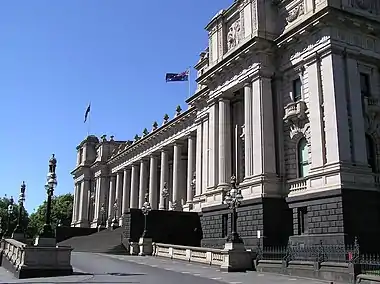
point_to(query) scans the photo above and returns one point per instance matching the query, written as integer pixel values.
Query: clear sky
(56, 56)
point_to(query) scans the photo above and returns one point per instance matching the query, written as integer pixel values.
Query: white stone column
(198, 160)
(126, 190)
(316, 115)
(97, 200)
(111, 198)
(264, 158)
(164, 176)
(213, 144)
(338, 144)
(205, 155)
(176, 175)
(83, 206)
(190, 167)
(75, 204)
(153, 182)
(224, 142)
(134, 187)
(248, 131)
(359, 143)
(143, 182)
(119, 192)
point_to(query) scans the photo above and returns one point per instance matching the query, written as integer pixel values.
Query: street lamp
(102, 215)
(21, 200)
(9, 213)
(51, 183)
(115, 209)
(165, 193)
(233, 199)
(146, 208)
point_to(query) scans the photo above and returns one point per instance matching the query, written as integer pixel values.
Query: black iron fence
(369, 263)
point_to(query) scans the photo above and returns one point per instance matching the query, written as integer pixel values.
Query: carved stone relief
(295, 12)
(233, 35)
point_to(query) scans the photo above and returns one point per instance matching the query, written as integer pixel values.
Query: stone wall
(270, 216)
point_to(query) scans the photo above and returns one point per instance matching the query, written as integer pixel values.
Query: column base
(146, 246)
(236, 258)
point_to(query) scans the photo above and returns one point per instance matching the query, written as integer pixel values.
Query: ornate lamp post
(146, 208)
(102, 215)
(19, 231)
(233, 199)
(115, 222)
(51, 183)
(165, 193)
(9, 214)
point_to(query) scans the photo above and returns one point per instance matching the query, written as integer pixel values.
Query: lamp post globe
(146, 208)
(233, 199)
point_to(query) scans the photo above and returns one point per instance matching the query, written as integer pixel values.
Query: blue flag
(177, 77)
(87, 112)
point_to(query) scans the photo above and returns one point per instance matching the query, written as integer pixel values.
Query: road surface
(102, 268)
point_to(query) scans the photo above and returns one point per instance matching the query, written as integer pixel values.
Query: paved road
(101, 268)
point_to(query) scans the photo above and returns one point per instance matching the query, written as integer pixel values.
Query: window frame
(301, 164)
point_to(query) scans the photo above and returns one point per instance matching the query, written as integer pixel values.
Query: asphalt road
(99, 268)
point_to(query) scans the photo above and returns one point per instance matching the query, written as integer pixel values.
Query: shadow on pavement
(108, 273)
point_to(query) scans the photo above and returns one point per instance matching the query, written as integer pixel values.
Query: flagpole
(189, 82)
(89, 121)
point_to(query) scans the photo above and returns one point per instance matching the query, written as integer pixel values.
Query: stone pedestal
(45, 242)
(146, 246)
(133, 248)
(236, 258)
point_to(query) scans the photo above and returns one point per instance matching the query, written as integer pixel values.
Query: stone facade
(287, 100)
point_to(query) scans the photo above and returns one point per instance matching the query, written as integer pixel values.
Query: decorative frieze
(295, 12)
(233, 35)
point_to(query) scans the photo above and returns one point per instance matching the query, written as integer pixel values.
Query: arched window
(303, 158)
(371, 152)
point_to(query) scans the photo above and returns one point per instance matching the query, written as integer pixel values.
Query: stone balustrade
(192, 254)
(296, 185)
(27, 261)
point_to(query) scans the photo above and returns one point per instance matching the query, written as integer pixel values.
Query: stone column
(143, 182)
(75, 203)
(119, 192)
(83, 206)
(213, 144)
(176, 175)
(111, 198)
(190, 167)
(264, 158)
(126, 190)
(198, 160)
(248, 131)
(134, 187)
(97, 200)
(205, 154)
(153, 182)
(164, 175)
(224, 142)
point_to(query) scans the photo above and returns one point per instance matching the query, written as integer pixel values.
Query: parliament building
(287, 100)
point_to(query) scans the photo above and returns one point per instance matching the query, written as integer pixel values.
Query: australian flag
(177, 77)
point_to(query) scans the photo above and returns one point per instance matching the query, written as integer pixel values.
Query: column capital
(224, 99)
(247, 84)
(191, 135)
(165, 148)
(143, 160)
(126, 169)
(178, 143)
(153, 155)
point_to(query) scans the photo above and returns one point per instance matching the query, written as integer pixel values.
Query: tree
(61, 211)
(4, 202)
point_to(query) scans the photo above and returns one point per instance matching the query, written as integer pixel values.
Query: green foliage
(4, 202)
(61, 211)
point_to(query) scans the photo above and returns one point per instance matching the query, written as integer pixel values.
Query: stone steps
(106, 241)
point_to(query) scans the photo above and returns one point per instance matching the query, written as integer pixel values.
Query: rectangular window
(302, 221)
(365, 88)
(224, 225)
(297, 89)
(81, 156)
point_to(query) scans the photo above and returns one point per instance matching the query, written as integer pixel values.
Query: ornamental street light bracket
(145, 242)
(233, 199)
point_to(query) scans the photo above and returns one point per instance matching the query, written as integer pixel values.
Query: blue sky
(56, 56)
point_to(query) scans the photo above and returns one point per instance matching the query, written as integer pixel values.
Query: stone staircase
(106, 241)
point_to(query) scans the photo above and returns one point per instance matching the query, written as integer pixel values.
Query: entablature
(179, 127)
